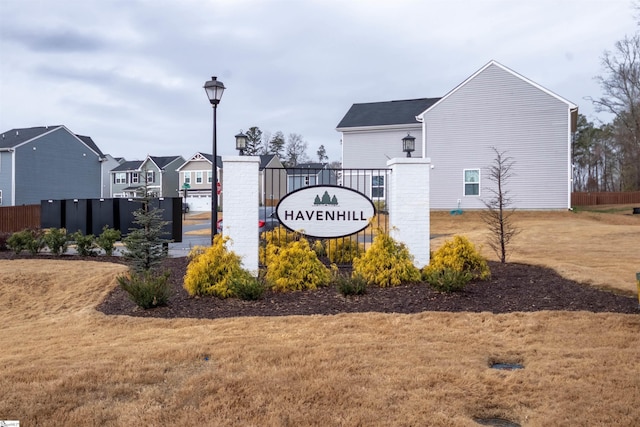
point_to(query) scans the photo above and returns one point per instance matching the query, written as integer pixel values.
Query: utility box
(104, 212)
(77, 214)
(126, 208)
(172, 212)
(52, 214)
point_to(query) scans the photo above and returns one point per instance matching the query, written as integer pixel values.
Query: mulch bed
(512, 288)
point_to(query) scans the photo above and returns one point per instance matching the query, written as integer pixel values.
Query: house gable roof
(570, 104)
(16, 137)
(387, 113)
(162, 162)
(198, 157)
(266, 159)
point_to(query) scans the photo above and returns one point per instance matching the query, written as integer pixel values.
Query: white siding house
(494, 108)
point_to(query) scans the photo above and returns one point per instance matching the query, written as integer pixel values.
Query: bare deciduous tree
(296, 150)
(499, 206)
(621, 97)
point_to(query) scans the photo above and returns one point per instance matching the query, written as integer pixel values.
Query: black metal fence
(276, 183)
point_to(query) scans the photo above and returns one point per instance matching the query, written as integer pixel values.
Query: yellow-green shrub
(459, 255)
(294, 266)
(212, 271)
(343, 251)
(386, 263)
(279, 236)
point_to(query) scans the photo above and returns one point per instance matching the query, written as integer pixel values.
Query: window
(209, 177)
(306, 180)
(151, 176)
(134, 177)
(199, 177)
(187, 177)
(120, 178)
(472, 182)
(377, 187)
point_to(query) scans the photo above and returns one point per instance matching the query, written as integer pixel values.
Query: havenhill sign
(325, 211)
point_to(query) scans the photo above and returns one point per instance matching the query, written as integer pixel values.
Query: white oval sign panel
(325, 211)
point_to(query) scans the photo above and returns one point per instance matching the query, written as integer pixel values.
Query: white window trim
(199, 177)
(464, 182)
(0, 197)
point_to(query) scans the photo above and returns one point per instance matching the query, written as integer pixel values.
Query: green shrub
(319, 248)
(448, 280)
(147, 289)
(29, 239)
(18, 241)
(57, 240)
(85, 244)
(107, 239)
(386, 263)
(343, 250)
(460, 255)
(349, 286)
(212, 271)
(246, 287)
(295, 267)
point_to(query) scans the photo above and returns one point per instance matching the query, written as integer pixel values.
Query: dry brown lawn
(64, 363)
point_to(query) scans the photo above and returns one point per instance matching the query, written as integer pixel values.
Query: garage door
(200, 203)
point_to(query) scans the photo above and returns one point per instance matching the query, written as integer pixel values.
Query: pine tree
(145, 244)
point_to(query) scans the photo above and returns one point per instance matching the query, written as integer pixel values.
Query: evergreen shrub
(447, 279)
(459, 255)
(214, 270)
(295, 266)
(85, 244)
(57, 240)
(386, 263)
(343, 250)
(349, 286)
(107, 239)
(147, 289)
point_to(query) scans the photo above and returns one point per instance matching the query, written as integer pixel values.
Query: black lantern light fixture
(214, 89)
(241, 142)
(408, 144)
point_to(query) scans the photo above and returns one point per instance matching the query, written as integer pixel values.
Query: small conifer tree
(146, 243)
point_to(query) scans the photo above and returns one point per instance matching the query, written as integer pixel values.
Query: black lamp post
(241, 142)
(214, 89)
(408, 144)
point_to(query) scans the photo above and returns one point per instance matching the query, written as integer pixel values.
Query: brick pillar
(409, 205)
(240, 215)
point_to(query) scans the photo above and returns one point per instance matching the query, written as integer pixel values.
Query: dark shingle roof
(15, 137)
(87, 140)
(131, 165)
(265, 159)
(162, 162)
(385, 113)
(218, 159)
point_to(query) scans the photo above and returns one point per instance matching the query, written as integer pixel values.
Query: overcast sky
(130, 73)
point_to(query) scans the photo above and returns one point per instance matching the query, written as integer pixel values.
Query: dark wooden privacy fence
(17, 218)
(605, 198)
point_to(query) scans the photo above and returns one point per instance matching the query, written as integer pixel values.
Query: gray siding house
(494, 108)
(307, 174)
(197, 174)
(158, 173)
(272, 180)
(48, 162)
